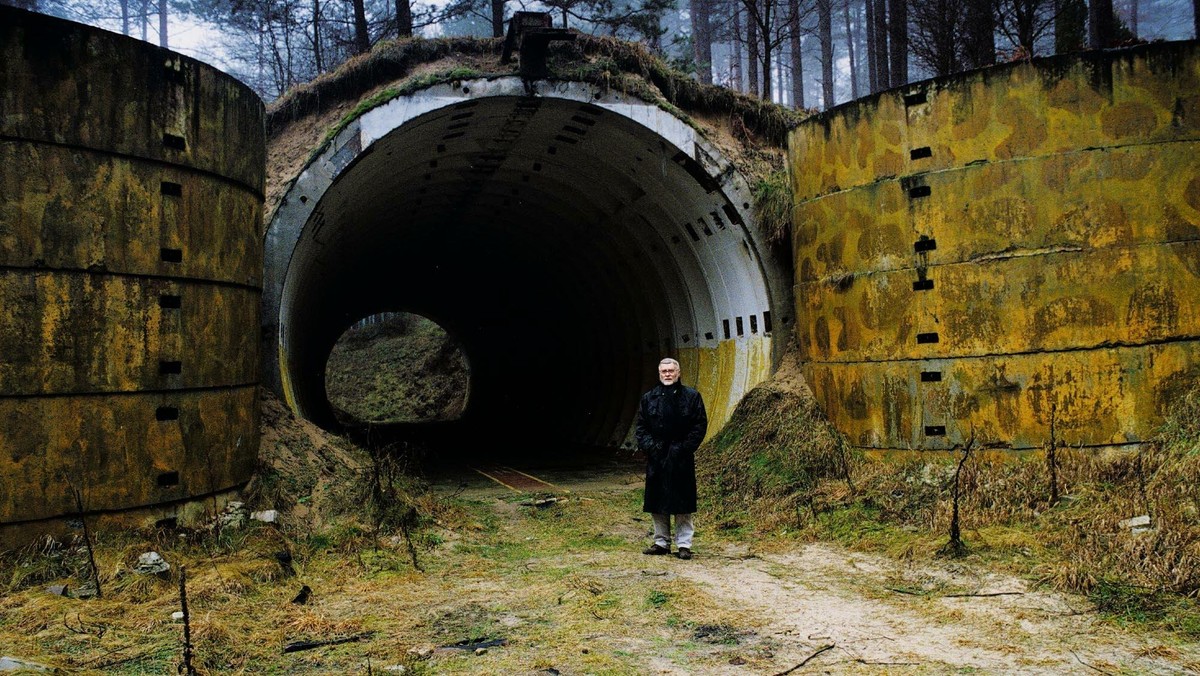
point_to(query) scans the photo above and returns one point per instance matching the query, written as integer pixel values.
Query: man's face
(668, 374)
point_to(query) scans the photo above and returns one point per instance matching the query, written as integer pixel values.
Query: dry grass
(779, 466)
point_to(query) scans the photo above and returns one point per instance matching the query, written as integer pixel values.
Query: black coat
(670, 426)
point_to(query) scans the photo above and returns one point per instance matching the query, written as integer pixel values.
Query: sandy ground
(820, 608)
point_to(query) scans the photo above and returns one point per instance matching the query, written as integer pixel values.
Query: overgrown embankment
(780, 467)
(752, 133)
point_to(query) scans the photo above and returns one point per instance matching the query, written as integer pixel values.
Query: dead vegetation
(779, 466)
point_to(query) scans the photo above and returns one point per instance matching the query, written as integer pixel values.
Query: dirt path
(744, 609)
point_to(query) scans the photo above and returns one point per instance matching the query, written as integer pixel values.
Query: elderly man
(670, 426)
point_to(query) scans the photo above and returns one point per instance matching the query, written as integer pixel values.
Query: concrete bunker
(1009, 254)
(568, 236)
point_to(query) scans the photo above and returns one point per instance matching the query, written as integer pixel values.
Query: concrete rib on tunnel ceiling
(567, 238)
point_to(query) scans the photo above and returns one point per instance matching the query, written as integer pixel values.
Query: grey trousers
(683, 530)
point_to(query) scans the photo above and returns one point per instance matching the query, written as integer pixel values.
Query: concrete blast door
(569, 239)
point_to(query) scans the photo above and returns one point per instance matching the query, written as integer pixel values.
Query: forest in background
(809, 54)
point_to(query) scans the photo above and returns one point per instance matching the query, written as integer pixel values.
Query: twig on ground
(982, 595)
(1089, 666)
(828, 646)
(902, 590)
(297, 646)
(889, 664)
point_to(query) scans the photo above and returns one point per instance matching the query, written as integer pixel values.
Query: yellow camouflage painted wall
(130, 275)
(1004, 250)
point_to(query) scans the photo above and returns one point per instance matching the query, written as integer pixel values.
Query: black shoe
(684, 553)
(657, 550)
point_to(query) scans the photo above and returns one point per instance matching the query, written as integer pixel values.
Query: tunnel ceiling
(569, 239)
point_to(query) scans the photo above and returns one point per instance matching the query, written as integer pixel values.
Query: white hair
(668, 360)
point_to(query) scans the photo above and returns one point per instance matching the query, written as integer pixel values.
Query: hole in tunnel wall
(397, 367)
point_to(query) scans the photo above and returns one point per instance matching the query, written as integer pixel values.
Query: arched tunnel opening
(568, 241)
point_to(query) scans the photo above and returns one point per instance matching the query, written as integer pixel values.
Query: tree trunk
(872, 71)
(980, 47)
(498, 18)
(362, 39)
(825, 35)
(1100, 24)
(881, 44)
(145, 12)
(162, 24)
(898, 42)
(1133, 18)
(797, 44)
(1196, 19)
(752, 52)
(318, 58)
(1070, 26)
(850, 52)
(404, 19)
(701, 40)
(735, 48)
(125, 17)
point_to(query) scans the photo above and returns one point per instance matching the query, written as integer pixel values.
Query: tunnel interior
(567, 245)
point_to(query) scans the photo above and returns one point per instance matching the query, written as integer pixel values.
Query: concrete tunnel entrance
(567, 236)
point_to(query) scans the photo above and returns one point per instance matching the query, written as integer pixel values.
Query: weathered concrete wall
(1004, 251)
(130, 275)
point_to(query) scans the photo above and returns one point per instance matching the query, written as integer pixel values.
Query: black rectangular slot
(919, 191)
(453, 135)
(931, 376)
(924, 244)
(169, 302)
(168, 479)
(691, 232)
(920, 153)
(767, 321)
(170, 368)
(923, 338)
(565, 139)
(753, 323)
(171, 255)
(923, 285)
(165, 413)
(172, 189)
(740, 329)
(708, 335)
(174, 142)
(915, 99)
(574, 130)
(935, 430)
(725, 326)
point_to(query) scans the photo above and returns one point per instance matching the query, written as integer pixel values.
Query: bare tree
(1070, 26)
(404, 19)
(898, 42)
(850, 51)
(883, 72)
(1101, 24)
(937, 27)
(1024, 22)
(979, 34)
(362, 34)
(797, 45)
(825, 35)
(701, 40)
(872, 69)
